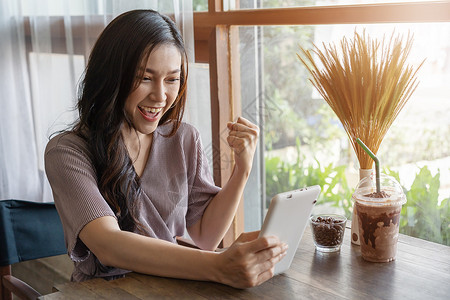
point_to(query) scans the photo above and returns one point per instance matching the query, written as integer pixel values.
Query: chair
(28, 231)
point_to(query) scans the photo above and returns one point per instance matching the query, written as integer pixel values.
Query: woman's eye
(146, 78)
(173, 80)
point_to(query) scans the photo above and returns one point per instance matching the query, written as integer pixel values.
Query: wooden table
(421, 271)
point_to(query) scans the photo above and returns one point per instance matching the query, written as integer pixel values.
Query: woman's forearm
(248, 262)
(162, 258)
(131, 251)
(217, 218)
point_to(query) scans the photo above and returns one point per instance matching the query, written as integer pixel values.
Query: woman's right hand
(250, 260)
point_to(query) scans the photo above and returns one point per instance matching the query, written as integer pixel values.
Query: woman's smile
(150, 114)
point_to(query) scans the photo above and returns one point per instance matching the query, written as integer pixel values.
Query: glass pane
(252, 101)
(200, 5)
(305, 143)
(247, 4)
(198, 106)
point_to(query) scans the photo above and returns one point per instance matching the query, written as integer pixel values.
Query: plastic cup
(378, 217)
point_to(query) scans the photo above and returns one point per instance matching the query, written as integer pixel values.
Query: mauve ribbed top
(176, 183)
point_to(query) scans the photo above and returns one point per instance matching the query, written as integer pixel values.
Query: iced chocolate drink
(379, 216)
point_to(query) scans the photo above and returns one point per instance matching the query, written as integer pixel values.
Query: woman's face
(158, 89)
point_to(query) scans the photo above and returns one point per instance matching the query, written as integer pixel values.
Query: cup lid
(365, 191)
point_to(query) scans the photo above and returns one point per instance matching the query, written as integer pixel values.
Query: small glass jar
(328, 231)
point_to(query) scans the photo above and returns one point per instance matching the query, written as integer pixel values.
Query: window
(416, 148)
(274, 92)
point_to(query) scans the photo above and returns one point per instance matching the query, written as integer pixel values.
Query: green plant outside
(283, 176)
(422, 216)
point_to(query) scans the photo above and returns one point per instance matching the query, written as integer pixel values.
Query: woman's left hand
(243, 138)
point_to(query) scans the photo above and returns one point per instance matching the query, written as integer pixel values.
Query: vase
(363, 173)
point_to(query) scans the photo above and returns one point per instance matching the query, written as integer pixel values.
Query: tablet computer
(287, 218)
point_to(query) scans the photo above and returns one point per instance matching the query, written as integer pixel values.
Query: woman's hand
(242, 138)
(218, 216)
(250, 260)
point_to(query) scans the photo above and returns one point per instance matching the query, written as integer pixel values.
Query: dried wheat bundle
(366, 82)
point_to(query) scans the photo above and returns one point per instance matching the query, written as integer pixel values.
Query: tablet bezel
(287, 218)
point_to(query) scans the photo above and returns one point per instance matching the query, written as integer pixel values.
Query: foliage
(427, 143)
(281, 69)
(423, 216)
(283, 176)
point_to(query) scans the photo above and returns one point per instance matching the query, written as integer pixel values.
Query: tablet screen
(287, 218)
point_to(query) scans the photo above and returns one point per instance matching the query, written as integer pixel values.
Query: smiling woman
(130, 176)
(114, 86)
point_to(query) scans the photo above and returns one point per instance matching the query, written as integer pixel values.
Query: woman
(130, 176)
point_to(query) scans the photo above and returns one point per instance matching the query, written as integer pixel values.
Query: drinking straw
(375, 159)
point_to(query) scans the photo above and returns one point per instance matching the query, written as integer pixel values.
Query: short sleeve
(203, 187)
(76, 194)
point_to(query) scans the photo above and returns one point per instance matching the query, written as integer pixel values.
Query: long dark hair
(112, 73)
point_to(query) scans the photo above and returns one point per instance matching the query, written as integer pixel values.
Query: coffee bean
(327, 231)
